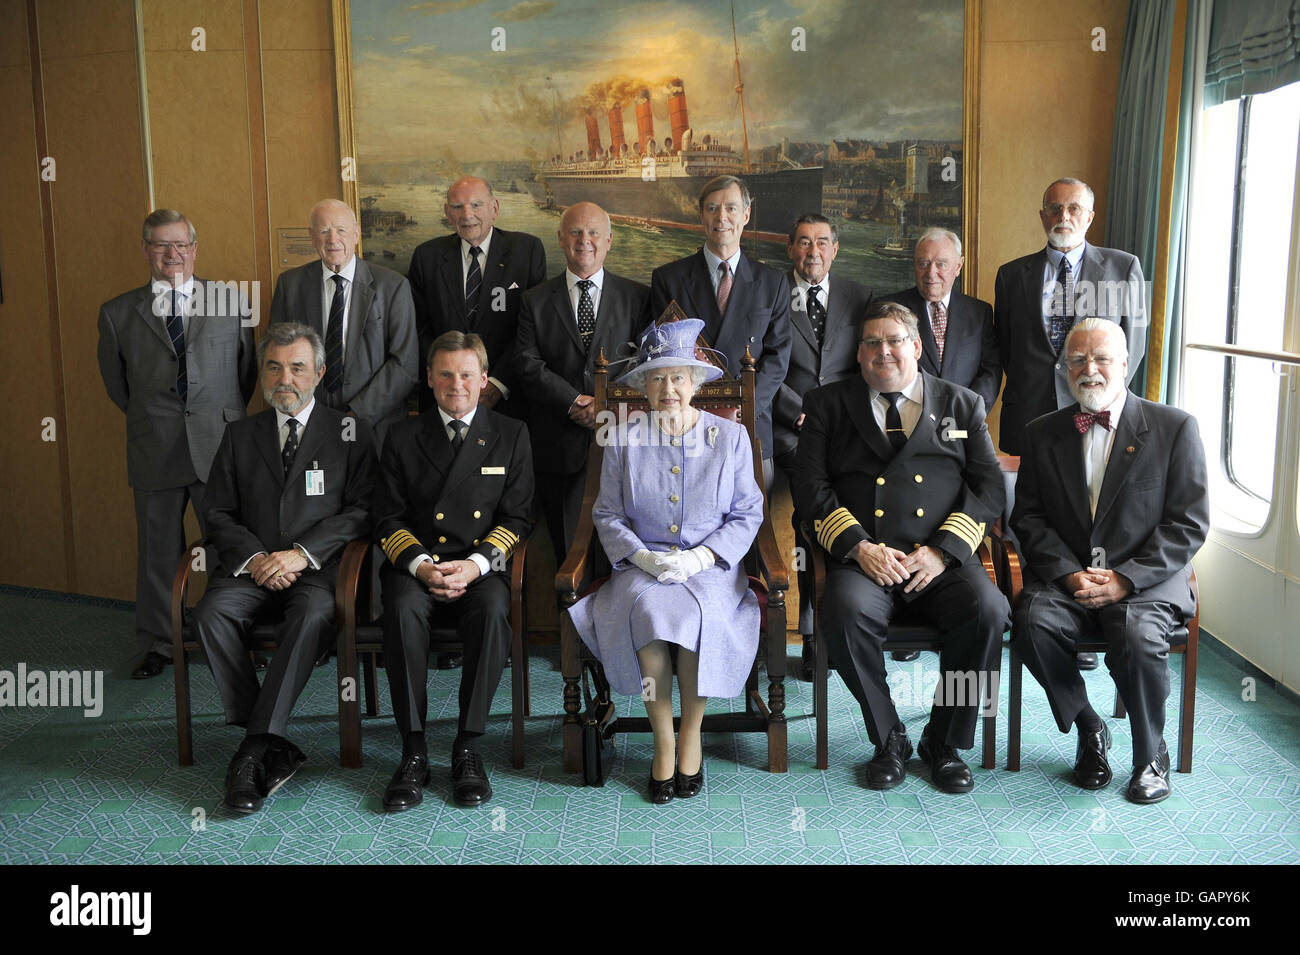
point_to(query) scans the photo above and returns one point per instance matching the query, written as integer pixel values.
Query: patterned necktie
(176, 332)
(939, 325)
(1083, 420)
(894, 421)
(473, 285)
(724, 286)
(459, 439)
(334, 337)
(1062, 313)
(586, 313)
(290, 446)
(816, 312)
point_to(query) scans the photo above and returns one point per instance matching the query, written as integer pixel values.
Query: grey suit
(1037, 380)
(1152, 517)
(380, 360)
(170, 443)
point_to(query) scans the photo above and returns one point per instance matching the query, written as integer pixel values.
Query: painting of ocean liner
(561, 101)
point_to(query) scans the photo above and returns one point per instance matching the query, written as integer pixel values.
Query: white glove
(682, 565)
(648, 562)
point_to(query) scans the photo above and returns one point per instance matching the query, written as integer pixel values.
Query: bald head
(334, 233)
(585, 238)
(471, 208)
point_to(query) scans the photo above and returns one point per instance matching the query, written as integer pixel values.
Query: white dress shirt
(282, 431)
(187, 304)
(713, 262)
(575, 294)
(327, 296)
(909, 407)
(801, 293)
(1097, 444)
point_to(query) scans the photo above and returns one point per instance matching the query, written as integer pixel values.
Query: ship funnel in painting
(593, 134)
(645, 124)
(677, 112)
(616, 141)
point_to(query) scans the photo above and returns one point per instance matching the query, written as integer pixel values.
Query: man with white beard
(1111, 506)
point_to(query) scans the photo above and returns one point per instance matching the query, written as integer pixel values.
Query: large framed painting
(851, 108)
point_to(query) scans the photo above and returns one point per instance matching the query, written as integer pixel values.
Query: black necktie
(456, 442)
(334, 338)
(1062, 313)
(894, 421)
(473, 285)
(290, 446)
(816, 312)
(586, 313)
(176, 332)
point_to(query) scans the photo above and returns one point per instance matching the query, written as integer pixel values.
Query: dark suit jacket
(380, 364)
(942, 488)
(1037, 380)
(553, 368)
(758, 319)
(811, 365)
(170, 443)
(477, 502)
(515, 263)
(1153, 512)
(251, 505)
(970, 353)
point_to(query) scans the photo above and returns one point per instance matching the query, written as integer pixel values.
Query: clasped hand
(1097, 587)
(887, 565)
(277, 571)
(449, 580)
(674, 567)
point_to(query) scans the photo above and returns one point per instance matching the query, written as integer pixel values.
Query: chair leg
(990, 722)
(571, 669)
(349, 705)
(518, 699)
(1187, 704)
(1013, 712)
(528, 677)
(371, 678)
(777, 744)
(821, 665)
(184, 729)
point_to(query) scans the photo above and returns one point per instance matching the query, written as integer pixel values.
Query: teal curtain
(1254, 47)
(1133, 202)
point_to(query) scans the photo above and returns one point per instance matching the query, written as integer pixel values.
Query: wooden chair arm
(568, 579)
(181, 584)
(518, 558)
(354, 562)
(1010, 578)
(985, 552)
(774, 570)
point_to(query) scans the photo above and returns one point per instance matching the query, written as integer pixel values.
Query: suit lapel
(495, 271)
(435, 444)
(799, 317)
(312, 302)
(155, 323)
(1031, 284)
(858, 399)
(840, 322)
(930, 348)
(1066, 452)
(700, 287)
(449, 272)
(561, 311)
(478, 443)
(1130, 439)
(363, 295)
(309, 443)
(268, 445)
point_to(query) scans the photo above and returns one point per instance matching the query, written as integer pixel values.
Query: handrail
(1236, 351)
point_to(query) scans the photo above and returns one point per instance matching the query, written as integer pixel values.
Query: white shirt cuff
(243, 568)
(484, 568)
(312, 562)
(505, 392)
(417, 562)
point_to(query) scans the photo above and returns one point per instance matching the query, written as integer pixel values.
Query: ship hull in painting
(779, 197)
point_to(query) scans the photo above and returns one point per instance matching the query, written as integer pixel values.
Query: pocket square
(513, 286)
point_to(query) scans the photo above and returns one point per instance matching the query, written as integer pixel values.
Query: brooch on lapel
(482, 442)
(713, 436)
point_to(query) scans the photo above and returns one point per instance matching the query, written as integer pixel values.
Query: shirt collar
(186, 288)
(447, 419)
(484, 246)
(714, 261)
(303, 414)
(1074, 257)
(805, 285)
(598, 277)
(913, 392)
(945, 300)
(348, 271)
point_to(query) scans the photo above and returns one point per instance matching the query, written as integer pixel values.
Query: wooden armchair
(586, 567)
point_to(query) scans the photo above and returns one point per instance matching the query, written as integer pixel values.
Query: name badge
(315, 482)
(492, 471)
(953, 434)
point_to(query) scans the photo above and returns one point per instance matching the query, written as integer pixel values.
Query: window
(1239, 261)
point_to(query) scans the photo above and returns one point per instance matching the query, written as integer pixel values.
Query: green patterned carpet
(108, 790)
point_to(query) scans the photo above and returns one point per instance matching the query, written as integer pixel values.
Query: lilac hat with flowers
(670, 345)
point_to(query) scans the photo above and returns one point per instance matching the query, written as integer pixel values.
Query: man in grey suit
(957, 340)
(177, 356)
(1037, 298)
(823, 349)
(1111, 506)
(564, 324)
(363, 313)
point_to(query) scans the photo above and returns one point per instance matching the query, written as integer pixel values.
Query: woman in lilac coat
(677, 511)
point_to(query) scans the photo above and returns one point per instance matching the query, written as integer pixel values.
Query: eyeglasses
(181, 247)
(1074, 209)
(1076, 362)
(896, 341)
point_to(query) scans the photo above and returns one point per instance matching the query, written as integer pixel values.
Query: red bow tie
(1083, 420)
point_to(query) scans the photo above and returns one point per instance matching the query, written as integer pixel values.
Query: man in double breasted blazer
(454, 498)
(898, 479)
(564, 325)
(177, 356)
(1111, 506)
(371, 360)
(474, 281)
(1037, 298)
(289, 488)
(969, 353)
(756, 315)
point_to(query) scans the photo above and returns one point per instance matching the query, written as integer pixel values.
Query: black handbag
(597, 731)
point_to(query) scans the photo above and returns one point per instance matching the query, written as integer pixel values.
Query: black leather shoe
(888, 767)
(449, 660)
(406, 788)
(906, 656)
(152, 664)
(1151, 783)
(808, 663)
(279, 764)
(1085, 661)
(684, 787)
(662, 791)
(1091, 769)
(947, 769)
(245, 784)
(469, 779)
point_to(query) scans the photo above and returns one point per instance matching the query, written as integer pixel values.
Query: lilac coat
(719, 505)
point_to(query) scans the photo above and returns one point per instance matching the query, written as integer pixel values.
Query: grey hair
(719, 183)
(286, 333)
(814, 218)
(1068, 181)
(1094, 323)
(636, 378)
(934, 233)
(163, 217)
